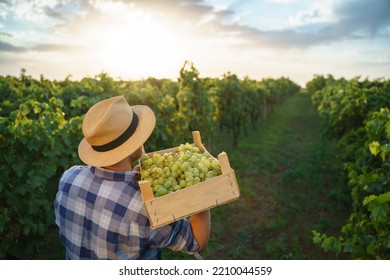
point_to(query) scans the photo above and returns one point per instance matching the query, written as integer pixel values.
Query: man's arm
(201, 228)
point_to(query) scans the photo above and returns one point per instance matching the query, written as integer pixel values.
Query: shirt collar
(114, 175)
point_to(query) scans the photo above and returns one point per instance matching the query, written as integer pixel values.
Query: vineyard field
(312, 163)
(40, 128)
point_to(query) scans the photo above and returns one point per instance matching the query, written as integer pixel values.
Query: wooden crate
(193, 199)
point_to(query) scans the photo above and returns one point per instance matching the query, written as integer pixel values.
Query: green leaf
(380, 212)
(21, 188)
(384, 198)
(348, 246)
(24, 109)
(49, 170)
(327, 244)
(317, 237)
(369, 199)
(371, 249)
(374, 147)
(38, 181)
(388, 129)
(386, 148)
(383, 155)
(317, 240)
(19, 168)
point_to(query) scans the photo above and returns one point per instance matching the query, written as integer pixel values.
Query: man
(99, 209)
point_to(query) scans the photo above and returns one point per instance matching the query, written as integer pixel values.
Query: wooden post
(146, 190)
(143, 154)
(197, 140)
(224, 162)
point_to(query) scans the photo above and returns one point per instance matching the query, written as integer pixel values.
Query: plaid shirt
(100, 215)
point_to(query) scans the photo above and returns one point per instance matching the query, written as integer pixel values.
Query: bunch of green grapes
(171, 172)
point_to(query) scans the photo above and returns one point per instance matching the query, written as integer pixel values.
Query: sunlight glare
(139, 47)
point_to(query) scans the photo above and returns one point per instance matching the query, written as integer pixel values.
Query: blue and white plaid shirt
(100, 215)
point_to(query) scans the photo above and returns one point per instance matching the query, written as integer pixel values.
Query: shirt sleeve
(176, 236)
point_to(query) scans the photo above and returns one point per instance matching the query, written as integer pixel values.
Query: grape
(161, 191)
(170, 158)
(206, 163)
(175, 174)
(167, 184)
(184, 166)
(174, 167)
(174, 171)
(214, 164)
(209, 174)
(145, 173)
(196, 172)
(161, 180)
(193, 159)
(183, 183)
(189, 178)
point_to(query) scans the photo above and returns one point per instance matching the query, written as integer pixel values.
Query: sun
(139, 46)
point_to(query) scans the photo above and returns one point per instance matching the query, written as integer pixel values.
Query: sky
(136, 39)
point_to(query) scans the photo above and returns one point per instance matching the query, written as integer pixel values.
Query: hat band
(121, 139)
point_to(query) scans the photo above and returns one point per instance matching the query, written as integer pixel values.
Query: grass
(290, 182)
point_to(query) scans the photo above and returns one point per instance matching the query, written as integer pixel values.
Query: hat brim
(146, 123)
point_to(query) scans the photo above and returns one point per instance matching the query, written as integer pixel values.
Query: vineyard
(356, 113)
(41, 129)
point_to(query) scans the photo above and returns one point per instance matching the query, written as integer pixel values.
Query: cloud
(194, 11)
(7, 47)
(282, 1)
(54, 13)
(362, 15)
(351, 20)
(5, 34)
(5, 2)
(11, 48)
(346, 20)
(314, 16)
(56, 48)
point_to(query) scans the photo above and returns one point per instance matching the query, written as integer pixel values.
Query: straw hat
(113, 130)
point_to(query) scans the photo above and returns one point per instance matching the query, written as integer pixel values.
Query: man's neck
(123, 165)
